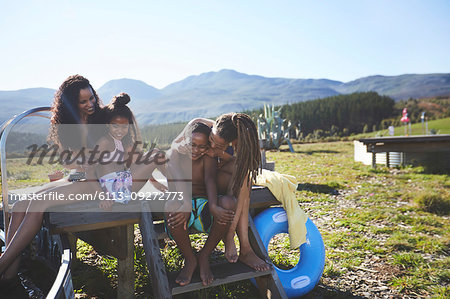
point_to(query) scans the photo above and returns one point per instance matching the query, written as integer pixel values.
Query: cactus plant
(272, 129)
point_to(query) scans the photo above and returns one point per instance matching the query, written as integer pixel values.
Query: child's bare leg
(216, 233)
(230, 247)
(141, 172)
(181, 236)
(53, 184)
(246, 253)
(223, 185)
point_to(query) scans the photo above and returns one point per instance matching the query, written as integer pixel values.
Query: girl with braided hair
(234, 142)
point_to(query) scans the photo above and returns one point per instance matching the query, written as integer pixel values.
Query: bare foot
(205, 270)
(185, 275)
(230, 248)
(253, 261)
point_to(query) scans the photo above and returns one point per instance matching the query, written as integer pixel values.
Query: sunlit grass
(366, 217)
(380, 212)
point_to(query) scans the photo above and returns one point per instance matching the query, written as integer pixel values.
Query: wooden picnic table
(112, 233)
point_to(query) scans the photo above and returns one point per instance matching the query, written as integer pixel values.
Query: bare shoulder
(209, 160)
(105, 143)
(209, 163)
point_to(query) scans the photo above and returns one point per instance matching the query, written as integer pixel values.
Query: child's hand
(210, 152)
(106, 205)
(223, 216)
(218, 152)
(177, 219)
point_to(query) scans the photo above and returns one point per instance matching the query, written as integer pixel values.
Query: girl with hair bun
(114, 147)
(118, 108)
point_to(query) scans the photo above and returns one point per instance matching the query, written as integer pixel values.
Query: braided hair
(240, 127)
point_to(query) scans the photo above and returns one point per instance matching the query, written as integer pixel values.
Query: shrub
(433, 203)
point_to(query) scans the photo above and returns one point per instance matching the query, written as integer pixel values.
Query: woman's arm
(179, 182)
(210, 173)
(179, 177)
(243, 198)
(222, 215)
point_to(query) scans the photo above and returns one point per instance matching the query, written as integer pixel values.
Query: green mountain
(401, 87)
(210, 94)
(138, 90)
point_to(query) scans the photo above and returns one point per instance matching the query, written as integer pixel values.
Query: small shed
(430, 151)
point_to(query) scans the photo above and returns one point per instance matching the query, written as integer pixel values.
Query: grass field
(386, 232)
(381, 220)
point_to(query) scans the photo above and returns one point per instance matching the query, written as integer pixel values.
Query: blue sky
(161, 42)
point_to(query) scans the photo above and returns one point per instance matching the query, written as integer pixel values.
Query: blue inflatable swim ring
(306, 274)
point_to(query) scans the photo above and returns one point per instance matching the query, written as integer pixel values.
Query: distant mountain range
(213, 93)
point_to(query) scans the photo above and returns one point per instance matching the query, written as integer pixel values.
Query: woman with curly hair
(234, 142)
(75, 105)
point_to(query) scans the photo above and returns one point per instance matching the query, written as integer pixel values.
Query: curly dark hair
(199, 127)
(65, 109)
(240, 127)
(118, 108)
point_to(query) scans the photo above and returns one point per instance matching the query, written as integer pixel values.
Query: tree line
(360, 112)
(337, 115)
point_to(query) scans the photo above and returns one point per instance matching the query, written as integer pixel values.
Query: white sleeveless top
(118, 155)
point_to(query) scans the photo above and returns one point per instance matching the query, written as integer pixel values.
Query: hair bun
(121, 99)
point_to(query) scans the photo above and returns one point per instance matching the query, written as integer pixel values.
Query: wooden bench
(113, 233)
